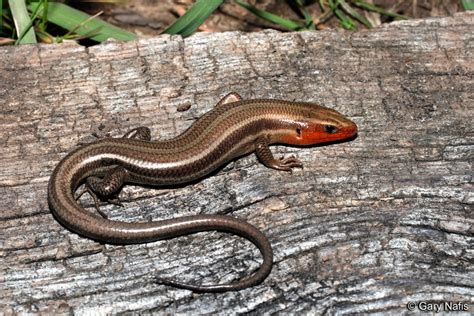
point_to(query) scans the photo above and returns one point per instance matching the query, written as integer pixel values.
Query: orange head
(311, 124)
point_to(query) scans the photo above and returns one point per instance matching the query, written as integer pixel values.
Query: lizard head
(312, 124)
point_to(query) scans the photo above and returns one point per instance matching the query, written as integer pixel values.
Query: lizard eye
(330, 129)
(298, 131)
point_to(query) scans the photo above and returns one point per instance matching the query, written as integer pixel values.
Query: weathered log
(366, 226)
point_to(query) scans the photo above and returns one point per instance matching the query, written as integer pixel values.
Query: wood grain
(366, 226)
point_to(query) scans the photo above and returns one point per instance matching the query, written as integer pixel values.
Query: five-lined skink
(235, 127)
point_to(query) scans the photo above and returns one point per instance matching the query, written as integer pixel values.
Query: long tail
(69, 213)
(238, 227)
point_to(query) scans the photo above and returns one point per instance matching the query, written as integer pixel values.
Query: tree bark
(367, 226)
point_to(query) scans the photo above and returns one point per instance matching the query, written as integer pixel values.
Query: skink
(235, 127)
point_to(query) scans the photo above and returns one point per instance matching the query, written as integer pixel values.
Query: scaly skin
(232, 129)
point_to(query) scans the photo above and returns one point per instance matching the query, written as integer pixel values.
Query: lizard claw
(290, 162)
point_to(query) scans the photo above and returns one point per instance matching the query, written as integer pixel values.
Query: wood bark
(367, 226)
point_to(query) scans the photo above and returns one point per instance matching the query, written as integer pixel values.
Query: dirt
(149, 17)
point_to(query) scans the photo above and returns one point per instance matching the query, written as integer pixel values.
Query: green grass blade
(289, 24)
(322, 6)
(193, 18)
(346, 22)
(71, 19)
(468, 4)
(22, 21)
(44, 21)
(33, 17)
(309, 24)
(356, 15)
(374, 8)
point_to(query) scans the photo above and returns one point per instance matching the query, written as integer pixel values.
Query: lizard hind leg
(113, 180)
(110, 183)
(108, 186)
(94, 197)
(105, 187)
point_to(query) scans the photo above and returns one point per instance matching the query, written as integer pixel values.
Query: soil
(151, 17)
